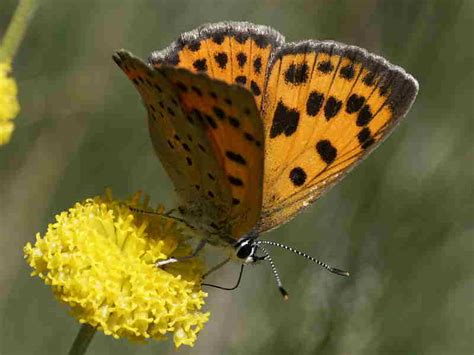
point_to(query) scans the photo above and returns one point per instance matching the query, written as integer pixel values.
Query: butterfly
(251, 129)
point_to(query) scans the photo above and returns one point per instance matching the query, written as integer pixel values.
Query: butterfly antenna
(275, 273)
(228, 288)
(320, 263)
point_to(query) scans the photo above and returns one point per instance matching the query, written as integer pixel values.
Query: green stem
(83, 339)
(16, 29)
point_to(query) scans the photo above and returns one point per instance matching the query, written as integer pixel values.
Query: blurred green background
(402, 222)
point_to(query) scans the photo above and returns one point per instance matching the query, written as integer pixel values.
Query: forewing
(234, 130)
(208, 136)
(326, 107)
(234, 52)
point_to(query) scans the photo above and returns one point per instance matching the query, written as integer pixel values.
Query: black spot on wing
(332, 107)
(326, 151)
(211, 121)
(354, 103)
(365, 138)
(218, 112)
(235, 157)
(369, 79)
(181, 86)
(364, 116)
(201, 148)
(235, 180)
(262, 41)
(325, 67)
(241, 59)
(314, 103)
(297, 74)
(218, 38)
(221, 59)
(190, 119)
(234, 122)
(347, 72)
(196, 90)
(298, 176)
(285, 121)
(173, 59)
(194, 46)
(186, 147)
(241, 79)
(249, 137)
(198, 114)
(170, 111)
(384, 88)
(241, 37)
(200, 65)
(257, 65)
(255, 89)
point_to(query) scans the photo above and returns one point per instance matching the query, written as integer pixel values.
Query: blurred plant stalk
(16, 29)
(9, 106)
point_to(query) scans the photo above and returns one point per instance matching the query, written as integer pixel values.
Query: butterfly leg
(170, 212)
(215, 267)
(201, 245)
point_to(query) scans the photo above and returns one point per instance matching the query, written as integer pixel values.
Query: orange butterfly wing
(234, 52)
(326, 107)
(235, 132)
(208, 136)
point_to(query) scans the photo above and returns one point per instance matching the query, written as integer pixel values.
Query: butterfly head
(245, 250)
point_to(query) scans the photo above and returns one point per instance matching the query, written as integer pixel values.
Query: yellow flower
(99, 258)
(9, 106)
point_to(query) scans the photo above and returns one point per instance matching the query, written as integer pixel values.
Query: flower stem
(16, 29)
(83, 339)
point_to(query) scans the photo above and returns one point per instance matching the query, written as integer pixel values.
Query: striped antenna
(320, 263)
(275, 272)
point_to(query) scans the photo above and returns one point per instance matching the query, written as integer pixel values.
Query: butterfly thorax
(213, 231)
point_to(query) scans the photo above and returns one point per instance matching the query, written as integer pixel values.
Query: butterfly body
(252, 129)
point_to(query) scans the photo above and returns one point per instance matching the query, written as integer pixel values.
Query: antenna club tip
(340, 272)
(283, 293)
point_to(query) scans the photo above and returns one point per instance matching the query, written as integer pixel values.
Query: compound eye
(244, 251)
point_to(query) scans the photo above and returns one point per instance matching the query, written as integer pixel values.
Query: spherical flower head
(99, 258)
(9, 106)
